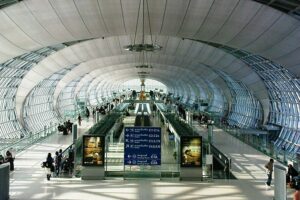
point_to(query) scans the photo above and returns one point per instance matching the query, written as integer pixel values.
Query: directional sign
(142, 146)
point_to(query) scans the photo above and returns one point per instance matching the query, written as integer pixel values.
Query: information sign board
(142, 146)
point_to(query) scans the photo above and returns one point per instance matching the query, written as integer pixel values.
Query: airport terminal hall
(150, 99)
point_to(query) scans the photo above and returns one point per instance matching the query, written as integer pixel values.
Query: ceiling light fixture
(139, 47)
(143, 66)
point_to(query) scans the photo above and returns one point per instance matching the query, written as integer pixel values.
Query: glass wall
(246, 111)
(38, 107)
(217, 101)
(92, 97)
(11, 74)
(67, 105)
(284, 94)
(82, 95)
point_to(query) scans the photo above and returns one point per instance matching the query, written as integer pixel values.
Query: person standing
(87, 112)
(9, 158)
(291, 174)
(79, 120)
(49, 166)
(296, 195)
(94, 112)
(269, 170)
(2, 160)
(58, 159)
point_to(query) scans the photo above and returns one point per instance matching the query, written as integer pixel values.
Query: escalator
(221, 165)
(142, 115)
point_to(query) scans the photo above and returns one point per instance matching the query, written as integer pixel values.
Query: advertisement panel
(142, 146)
(191, 151)
(93, 150)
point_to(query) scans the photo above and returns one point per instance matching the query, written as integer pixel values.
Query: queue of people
(59, 164)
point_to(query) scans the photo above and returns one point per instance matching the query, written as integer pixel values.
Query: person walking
(49, 166)
(87, 113)
(58, 159)
(79, 120)
(269, 170)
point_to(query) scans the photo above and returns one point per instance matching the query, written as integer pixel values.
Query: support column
(210, 133)
(45, 131)
(4, 181)
(97, 116)
(74, 132)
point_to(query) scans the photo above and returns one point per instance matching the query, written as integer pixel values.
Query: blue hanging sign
(142, 146)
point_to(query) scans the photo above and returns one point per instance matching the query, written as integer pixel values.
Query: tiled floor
(247, 162)
(28, 181)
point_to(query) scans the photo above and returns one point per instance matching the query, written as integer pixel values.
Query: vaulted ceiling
(106, 26)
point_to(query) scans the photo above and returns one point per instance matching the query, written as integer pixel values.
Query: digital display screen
(93, 151)
(191, 151)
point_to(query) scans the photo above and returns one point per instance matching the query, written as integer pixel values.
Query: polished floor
(28, 181)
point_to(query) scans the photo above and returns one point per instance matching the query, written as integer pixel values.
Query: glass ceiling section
(5, 3)
(290, 7)
(11, 74)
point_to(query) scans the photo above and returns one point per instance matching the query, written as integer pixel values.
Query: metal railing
(30, 139)
(262, 143)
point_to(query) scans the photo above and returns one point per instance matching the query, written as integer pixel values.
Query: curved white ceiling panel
(68, 13)
(282, 27)
(242, 14)
(176, 52)
(283, 47)
(23, 18)
(111, 24)
(92, 16)
(243, 24)
(45, 14)
(217, 15)
(260, 23)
